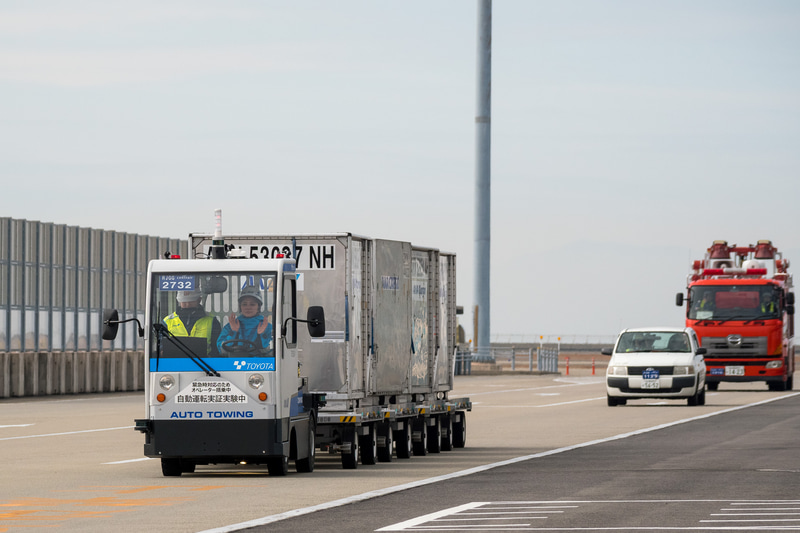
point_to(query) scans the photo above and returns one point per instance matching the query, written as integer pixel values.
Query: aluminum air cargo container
(390, 312)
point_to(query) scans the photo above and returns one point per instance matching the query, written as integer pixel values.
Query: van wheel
(712, 385)
(613, 402)
(694, 399)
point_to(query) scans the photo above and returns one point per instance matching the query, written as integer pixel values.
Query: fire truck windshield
(734, 302)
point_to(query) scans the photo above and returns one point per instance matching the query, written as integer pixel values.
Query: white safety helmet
(189, 296)
(253, 292)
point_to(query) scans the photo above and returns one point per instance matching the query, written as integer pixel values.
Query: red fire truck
(740, 302)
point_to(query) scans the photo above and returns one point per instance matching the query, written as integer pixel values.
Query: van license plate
(651, 384)
(734, 371)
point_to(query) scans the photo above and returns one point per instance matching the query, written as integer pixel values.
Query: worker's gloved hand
(233, 322)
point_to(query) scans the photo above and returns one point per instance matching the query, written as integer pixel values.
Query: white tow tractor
(226, 401)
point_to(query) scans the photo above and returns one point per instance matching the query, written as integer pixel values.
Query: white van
(656, 363)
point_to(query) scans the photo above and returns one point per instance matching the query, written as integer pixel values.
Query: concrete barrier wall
(51, 373)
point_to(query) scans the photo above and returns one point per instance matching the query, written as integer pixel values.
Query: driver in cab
(249, 328)
(191, 320)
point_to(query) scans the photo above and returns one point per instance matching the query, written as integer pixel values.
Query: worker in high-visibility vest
(191, 320)
(706, 303)
(768, 306)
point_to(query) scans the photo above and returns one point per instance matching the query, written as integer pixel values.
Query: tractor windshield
(214, 315)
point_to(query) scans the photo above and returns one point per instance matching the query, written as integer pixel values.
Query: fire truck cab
(740, 302)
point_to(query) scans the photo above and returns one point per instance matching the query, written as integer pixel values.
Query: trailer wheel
(419, 436)
(369, 446)
(278, 466)
(306, 464)
(434, 436)
(385, 435)
(447, 432)
(460, 430)
(350, 458)
(403, 442)
(171, 467)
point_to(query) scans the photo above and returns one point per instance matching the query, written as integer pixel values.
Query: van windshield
(653, 341)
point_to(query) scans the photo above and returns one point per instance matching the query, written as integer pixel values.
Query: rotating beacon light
(217, 244)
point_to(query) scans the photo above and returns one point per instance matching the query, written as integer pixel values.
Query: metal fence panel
(56, 280)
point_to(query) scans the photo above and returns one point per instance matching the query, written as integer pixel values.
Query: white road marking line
(749, 521)
(526, 389)
(127, 461)
(65, 433)
(422, 482)
(768, 502)
(763, 509)
(539, 406)
(433, 516)
(571, 402)
(16, 426)
(753, 514)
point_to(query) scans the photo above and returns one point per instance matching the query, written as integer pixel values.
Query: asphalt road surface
(543, 453)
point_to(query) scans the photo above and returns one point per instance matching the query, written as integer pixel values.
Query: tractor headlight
(166, 382)
(255, 381)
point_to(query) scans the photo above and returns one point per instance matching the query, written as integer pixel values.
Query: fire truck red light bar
(732, 271)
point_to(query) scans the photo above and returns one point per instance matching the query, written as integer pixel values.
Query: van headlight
(683, 370)
(775, 364)
(618, 371)
(166, 382)
(255, 381)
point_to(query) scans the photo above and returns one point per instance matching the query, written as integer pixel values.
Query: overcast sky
(626, 135)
